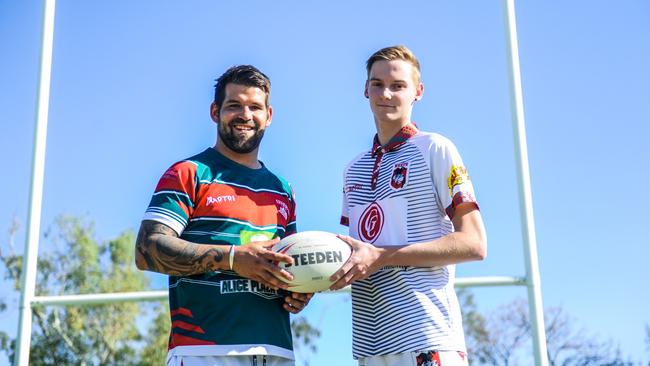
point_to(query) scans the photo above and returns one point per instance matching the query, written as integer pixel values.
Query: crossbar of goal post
(101, 299)
(28, 276)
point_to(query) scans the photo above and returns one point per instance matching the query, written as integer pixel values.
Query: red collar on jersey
(405, 133)
(396, 141)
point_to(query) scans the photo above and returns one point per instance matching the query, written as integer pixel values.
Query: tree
(76, 263)
(305, 336)
(503, 337)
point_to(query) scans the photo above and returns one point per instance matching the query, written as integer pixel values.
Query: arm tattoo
(159, 249)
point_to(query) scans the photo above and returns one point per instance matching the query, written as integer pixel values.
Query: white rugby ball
(317, 255)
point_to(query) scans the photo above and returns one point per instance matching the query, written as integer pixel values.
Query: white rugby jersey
(403, 193)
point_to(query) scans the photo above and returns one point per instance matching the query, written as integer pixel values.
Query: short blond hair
(392, 53)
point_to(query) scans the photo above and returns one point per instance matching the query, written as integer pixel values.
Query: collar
(405, 133)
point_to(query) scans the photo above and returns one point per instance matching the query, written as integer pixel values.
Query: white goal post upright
(533, 282)
(30, 255)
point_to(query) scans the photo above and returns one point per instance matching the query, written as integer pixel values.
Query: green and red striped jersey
(210, 199)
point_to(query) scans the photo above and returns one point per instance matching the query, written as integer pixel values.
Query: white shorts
(261, 360)
(418, 358)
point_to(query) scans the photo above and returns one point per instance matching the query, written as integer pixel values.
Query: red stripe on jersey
(181, 340)
(257, 208)
(182, 311)
(179, 177)
(187, 326)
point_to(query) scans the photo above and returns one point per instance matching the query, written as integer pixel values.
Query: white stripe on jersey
(262, 228)
(402, 309)
(219, 181)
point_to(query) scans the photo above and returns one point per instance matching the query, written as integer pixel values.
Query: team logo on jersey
(371, 223)
(283, 208)
(428, 358)
(398, 179)
(457, 175)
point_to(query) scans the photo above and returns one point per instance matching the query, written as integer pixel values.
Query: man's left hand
(295, 302)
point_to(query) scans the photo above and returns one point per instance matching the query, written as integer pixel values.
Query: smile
(243, 127)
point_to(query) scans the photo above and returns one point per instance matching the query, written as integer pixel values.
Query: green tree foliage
(305, 336)
(503, 338)
(72, 261)
(154, 350)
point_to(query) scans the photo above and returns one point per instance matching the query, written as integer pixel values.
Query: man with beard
(210, 225)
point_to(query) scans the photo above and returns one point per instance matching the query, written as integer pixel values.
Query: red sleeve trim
(460, 197)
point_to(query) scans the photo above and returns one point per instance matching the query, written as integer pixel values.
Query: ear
(214, 112)
(419, 91)
(365, 90)
(268, 122)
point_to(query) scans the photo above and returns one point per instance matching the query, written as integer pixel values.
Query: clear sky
(132, 83)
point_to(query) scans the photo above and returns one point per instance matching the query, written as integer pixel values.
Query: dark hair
(243, 75)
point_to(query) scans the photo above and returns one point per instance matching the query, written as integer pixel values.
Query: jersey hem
(232, 350)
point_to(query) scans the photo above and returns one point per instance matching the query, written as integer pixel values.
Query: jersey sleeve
(291, 226)
(345, 215)
(450, 176)
(172, 202)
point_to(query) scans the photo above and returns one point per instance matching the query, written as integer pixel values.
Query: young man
(210, 226)
(412, 216)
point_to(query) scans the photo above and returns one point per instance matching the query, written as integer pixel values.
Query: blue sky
(132, 83)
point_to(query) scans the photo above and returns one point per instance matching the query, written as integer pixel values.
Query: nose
(386, 93)
(246, 113)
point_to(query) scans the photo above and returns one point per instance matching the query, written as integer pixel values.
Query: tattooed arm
(159, 249)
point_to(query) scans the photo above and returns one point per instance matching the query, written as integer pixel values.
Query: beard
(239, 144)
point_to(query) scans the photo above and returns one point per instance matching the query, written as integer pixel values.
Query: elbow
(480, 249)
(140, 261)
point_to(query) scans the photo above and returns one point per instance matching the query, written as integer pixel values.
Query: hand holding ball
(316, 255)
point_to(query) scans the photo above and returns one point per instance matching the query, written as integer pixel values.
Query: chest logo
(400, 172)
(283, 208)
(371, 223)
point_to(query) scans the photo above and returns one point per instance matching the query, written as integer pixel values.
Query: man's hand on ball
(256, 261)
(295, 302)
(363, 262)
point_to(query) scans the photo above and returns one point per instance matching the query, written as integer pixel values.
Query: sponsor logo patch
(220, 199)
(371, 223)
(245, 285)
(247, 236)
(400, 172)
(353, 187)
(457, 175)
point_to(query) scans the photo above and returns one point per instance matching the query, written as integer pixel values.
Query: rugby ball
(316, 255)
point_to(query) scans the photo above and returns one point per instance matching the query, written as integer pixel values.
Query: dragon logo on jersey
(371, 223)
(457, 175)
(398, 179)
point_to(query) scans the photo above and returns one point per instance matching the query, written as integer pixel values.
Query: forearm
(159, 249)
(453, 248)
